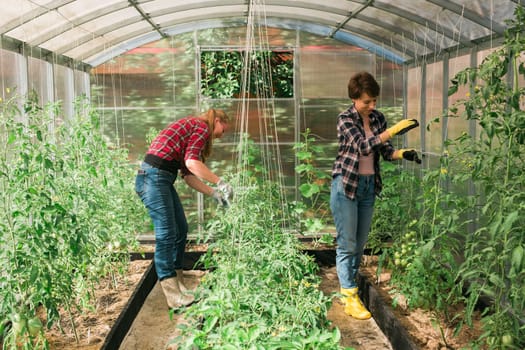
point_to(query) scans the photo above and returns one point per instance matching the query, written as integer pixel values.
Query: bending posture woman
(183, 145)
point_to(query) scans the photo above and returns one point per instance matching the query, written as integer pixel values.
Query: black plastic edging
(123, 323)
(385, 318)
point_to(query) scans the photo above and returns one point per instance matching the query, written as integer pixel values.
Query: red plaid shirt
(181, 140)
(352, 143)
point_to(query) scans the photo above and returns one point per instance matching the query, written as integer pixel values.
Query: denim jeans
(155, 188)
(352, 220)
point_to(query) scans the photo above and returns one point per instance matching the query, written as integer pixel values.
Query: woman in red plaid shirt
(183, 145)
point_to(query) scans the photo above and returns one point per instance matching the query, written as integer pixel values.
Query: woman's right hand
(225, 188)
(219, 197)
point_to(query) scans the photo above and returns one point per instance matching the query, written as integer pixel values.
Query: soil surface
(153, 328)
(428, 331)
(92, 326)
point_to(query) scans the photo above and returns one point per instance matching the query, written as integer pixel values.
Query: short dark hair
(362, 82)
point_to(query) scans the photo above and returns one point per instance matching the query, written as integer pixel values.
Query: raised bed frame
(397, 335)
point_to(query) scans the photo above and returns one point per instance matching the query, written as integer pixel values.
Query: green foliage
(424, 253)
(224, 74)
(492, 262)
(68, 210)
(467, 241)
(314, 208)
(262, 291)
(394, 208)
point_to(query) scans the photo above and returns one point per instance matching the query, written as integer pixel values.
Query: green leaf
(509, 221)
(427, 248)
(302, 155)
(452, 90)
(302, 168)
(517, 257)
(308, 190)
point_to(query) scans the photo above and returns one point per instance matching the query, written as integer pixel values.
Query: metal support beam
(352, 15)
(146, 17)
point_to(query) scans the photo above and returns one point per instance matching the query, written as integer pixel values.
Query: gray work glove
(219, 197)
(226, 189)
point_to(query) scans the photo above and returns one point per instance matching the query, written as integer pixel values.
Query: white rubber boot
(173, 294)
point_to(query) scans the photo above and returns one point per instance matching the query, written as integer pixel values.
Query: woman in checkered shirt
(184, 146)
(363, 138)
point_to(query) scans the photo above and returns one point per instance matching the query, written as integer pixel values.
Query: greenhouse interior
(90, 88)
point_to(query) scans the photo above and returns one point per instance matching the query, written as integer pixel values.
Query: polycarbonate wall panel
(236, 37)
(325, 73)
(414, 105)
(81, 83)
(320, 116)
(266, 121)
(457, 126)
(521, 80)
(155, 75)
(129, 127)
(43, 81)
(390, 78)
(271, 125)
(40, 80)
(9, 74)
(434, 108)
(64, 90)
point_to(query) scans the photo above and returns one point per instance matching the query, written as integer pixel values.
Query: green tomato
(506, 339)
(34, 326)
(19, 324)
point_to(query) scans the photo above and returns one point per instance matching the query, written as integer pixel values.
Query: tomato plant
(261, 291)
(67, 196)
(469, 233)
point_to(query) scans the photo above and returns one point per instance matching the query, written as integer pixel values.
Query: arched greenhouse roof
(94, 31)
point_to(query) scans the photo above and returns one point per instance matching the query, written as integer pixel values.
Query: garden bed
(137, 292)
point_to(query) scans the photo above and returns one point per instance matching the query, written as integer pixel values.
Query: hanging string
(257, 45)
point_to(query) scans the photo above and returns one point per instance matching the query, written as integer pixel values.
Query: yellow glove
(402, 127)
(409, 154)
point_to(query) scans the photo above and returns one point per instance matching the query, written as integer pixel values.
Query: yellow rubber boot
(353, 305)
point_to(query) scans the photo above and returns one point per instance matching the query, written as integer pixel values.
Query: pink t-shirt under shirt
(366, 163)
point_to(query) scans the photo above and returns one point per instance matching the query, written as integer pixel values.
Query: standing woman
(183, 145)
(363, 136)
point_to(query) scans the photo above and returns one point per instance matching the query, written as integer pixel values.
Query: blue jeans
(155, 188)
(352, 220)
